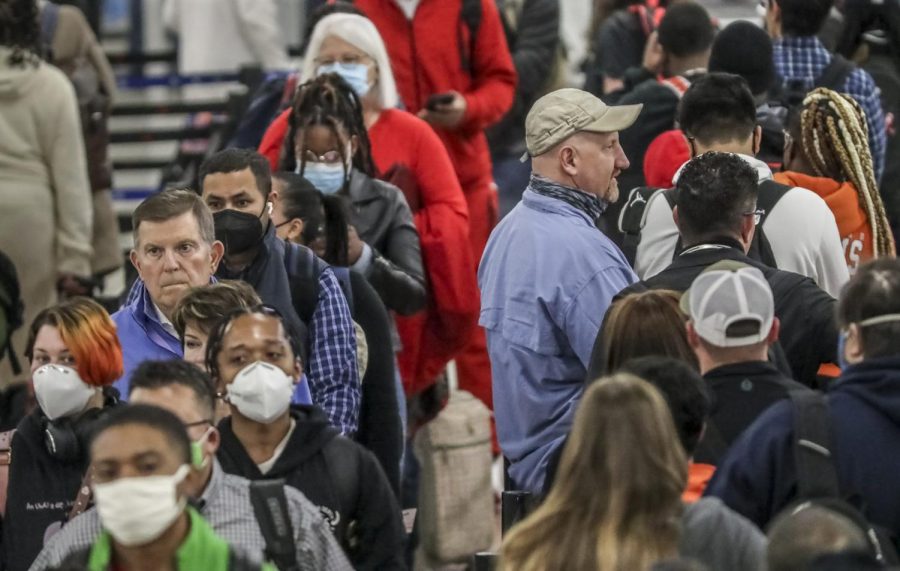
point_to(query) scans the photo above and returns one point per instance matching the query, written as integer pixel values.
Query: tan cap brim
(616, 118)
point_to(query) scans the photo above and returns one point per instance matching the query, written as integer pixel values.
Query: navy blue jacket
(758, 477)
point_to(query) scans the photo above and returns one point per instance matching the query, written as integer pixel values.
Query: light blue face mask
(844, 334)
(355, 74)
(327, 178)
(842, 344)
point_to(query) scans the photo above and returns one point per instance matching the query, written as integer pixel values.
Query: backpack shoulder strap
(633, 218)
(5, 460)
(84, 495)
(677, 84)
(271, 510)
(470, 16)
(835, 74)
(49, 22)
(303, 274)
(770, 192)
(816, 474)
(343, 278)
(648, 17)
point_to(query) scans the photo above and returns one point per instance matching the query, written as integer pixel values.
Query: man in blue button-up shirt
(548, 275)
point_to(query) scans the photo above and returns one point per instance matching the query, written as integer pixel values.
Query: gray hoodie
(721, 538)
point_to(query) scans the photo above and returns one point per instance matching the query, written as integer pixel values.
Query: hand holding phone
(444, 110)
(439, 99)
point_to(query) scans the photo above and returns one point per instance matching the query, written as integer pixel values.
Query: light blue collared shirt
(547, 277)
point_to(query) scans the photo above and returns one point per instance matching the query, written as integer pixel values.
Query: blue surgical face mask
(328, 178)
(355, 74)
(842, 344)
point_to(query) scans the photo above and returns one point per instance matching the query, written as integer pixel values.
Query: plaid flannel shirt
(334, 376)
(805, 58)
(226, 505)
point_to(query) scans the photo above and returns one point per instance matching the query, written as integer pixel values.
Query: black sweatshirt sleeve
(379, 416)
(379, 526)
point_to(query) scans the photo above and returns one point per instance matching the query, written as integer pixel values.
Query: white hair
(360, 32)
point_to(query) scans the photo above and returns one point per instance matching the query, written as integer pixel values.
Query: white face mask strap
(181, 473)
(889, 318)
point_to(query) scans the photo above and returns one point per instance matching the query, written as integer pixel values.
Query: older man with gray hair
(548, 275)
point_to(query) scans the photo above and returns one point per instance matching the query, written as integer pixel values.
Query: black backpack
(303, 269)
(12, 310)
(633, 218)
(817, 479)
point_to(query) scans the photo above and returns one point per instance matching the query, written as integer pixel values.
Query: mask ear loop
(198, 460)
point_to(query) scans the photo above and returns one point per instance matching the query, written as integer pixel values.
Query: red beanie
(664, 157)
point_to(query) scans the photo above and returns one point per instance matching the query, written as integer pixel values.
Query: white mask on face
(261, 392)
(60, 391)
(135, 511)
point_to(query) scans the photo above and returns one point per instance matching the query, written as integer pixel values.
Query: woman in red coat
(408, 153)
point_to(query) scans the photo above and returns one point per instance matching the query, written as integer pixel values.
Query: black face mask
(239, 231)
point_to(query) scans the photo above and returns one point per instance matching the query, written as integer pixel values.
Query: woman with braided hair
(827, 151)
(327, 143)
(46, 215)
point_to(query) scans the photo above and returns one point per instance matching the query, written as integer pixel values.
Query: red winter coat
(405, 146)
(426, 60)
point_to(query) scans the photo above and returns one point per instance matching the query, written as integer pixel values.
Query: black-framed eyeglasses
(756, 214)
(189, 425)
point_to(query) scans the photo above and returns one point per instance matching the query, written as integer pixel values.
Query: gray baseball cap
(729, 293)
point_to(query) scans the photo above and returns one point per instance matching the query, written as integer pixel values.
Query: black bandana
(591, 205)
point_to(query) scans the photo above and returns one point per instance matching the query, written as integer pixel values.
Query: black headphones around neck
(66, 439)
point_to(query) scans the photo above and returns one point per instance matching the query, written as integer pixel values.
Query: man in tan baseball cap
(548, 275)
(572, 137)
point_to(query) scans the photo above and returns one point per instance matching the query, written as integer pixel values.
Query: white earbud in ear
(270, 207)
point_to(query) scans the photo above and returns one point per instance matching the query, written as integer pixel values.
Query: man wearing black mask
(236, 184)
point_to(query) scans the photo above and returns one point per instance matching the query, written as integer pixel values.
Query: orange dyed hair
(90, 336)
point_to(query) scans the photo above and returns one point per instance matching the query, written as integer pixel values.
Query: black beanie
(745, 49)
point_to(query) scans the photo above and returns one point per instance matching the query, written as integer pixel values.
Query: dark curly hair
(20, 30)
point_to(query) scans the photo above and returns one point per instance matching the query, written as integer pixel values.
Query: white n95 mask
(60, 392)
(136, 511)
(261, 392)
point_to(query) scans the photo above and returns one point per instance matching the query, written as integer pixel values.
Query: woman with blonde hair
(616, 504)
(642, 324)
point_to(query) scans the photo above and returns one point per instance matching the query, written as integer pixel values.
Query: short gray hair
(169, 204)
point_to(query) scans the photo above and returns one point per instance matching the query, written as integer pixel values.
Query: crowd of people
(674, 286)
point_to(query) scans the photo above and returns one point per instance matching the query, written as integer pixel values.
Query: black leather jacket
(384, 221)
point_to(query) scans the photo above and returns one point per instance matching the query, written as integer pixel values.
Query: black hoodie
(42, 486)
(338, 475)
